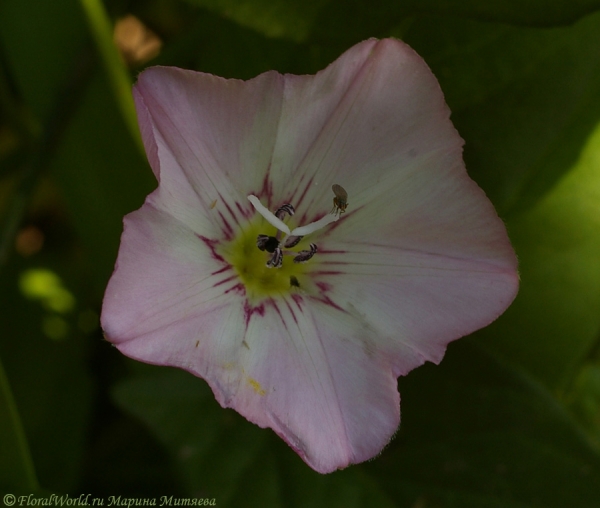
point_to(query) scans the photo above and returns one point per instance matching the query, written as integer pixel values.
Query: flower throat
(258, 258)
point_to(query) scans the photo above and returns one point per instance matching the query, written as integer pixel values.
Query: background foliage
(511, 418)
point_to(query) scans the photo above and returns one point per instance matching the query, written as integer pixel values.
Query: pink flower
(312, 344)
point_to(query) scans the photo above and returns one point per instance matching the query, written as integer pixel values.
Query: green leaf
(516, 12)
(319, 20)
(478, 433)
(583, 399)
(224, 48)
(102, 172)
(524, 100)
(475, 433)
(274, 18)
(16, 466)
(41, 40)
(102, 175)
(49, 382)
(223, 456)
(554, 323)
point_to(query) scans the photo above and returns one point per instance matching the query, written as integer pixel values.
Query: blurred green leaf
(478, 433)
(41, 41)
(124, 458)
(102, 174)
(16, 467)
(583, 398)
(524, 100)
(49, 381)
(553, 324)
(274, 18)
(532, 13)
(204, 46)
(329, 20)
(223, 456)
(475, 433)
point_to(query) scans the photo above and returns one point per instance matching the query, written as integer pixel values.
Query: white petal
(209, 140)
(414, 303)
(310, 378)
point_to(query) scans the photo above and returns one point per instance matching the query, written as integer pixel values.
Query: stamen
(283, 209)
(268, 243)
(304, 255)
(292, 241)
(276, 259)
(276, 246)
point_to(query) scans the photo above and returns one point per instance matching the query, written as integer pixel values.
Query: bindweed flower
(311, 239)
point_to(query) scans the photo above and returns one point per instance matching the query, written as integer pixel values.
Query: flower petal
(359, 121)
(427, 262)
(207, 138)
(414, 303)
(167, 280)
(314, 380)
(420, 247)
(311, 378)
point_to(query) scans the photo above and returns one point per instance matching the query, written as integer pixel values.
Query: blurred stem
(16, 426)
(120, 81)
(18, 120)
(43, 148)
(16, 117)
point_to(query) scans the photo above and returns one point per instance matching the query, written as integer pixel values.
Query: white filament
(268, 215)
(315, 226)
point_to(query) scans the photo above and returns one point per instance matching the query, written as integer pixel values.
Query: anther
(304, 255)
(268, 243)
(283, 209)
(292, 241)
(276, 259)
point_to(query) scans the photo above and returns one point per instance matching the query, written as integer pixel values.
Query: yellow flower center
(250, 263)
